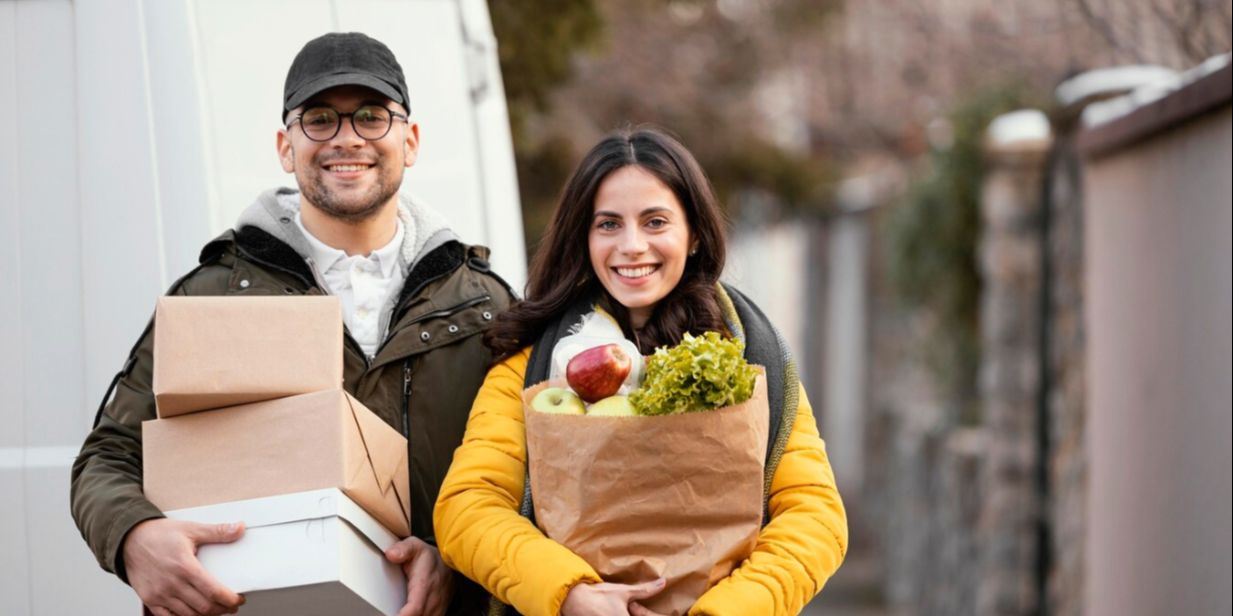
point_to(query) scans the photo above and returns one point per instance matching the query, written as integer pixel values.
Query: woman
(637, 232)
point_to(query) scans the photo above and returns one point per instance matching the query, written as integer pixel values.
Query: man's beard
(357, 208)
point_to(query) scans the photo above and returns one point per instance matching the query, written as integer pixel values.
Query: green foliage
(542, 171)
(537, 40)
(633, 56)
(699, 374)
(933, 238)
(798, 181)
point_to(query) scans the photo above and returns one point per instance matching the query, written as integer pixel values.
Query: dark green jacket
(432, 361)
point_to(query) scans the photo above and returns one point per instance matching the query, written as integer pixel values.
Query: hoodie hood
(275, 209)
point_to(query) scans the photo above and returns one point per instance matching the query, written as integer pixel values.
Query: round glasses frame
(365, 134)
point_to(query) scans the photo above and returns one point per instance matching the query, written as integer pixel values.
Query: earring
(693, 252)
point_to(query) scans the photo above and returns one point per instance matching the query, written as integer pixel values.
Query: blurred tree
(1191, 30)
(775, 96)
(537, 44)
(932, 238)
(720, 74)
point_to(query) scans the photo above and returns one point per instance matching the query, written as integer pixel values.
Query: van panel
(136, 130)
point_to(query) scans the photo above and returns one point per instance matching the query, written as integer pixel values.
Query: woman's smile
(635, 274)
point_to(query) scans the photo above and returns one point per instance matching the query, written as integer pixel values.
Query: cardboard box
(308, 442)
(214, 352)
(305, 554)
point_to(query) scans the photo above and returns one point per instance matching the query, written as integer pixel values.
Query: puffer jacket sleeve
(478, 527)
(802, 545)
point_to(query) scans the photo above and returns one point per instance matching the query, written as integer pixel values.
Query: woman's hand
(606, 599)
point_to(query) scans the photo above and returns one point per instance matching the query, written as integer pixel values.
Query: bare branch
(1100, 25)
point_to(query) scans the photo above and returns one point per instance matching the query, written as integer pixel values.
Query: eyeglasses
(370, 122)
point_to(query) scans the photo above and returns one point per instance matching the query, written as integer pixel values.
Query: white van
(135, 131)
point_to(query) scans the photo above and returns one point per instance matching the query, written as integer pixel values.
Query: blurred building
(1095, 477)
(1158, 297)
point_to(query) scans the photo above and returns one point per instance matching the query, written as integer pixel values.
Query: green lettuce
(699, 374)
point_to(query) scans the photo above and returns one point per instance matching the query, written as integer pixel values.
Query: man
(415, 303)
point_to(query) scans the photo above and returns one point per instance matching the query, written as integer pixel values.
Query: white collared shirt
(367, 286)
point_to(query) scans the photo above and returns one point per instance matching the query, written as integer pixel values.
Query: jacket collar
(275, 210)
(263, 248)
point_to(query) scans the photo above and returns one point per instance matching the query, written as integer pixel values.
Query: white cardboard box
(312, 553)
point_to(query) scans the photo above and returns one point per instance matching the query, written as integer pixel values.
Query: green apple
(612, 406)
(558, 400)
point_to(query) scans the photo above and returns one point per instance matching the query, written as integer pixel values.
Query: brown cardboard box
(308, 442)
(214, 352)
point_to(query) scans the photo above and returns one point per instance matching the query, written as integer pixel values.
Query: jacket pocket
(436, 328)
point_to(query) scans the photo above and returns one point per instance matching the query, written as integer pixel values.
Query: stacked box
(251, 415)
(216, 352)
(307, 442)
(303, 554)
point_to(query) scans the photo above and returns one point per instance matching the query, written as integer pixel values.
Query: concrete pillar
(1011, 270)
(847, 329)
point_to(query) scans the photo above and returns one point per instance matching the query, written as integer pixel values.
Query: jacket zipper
(406, 403)
(406, 412)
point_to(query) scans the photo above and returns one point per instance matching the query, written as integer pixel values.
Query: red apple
(596, 373)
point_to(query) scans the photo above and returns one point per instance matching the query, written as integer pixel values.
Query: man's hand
(430, 584)
(609, 599)
(160, 557)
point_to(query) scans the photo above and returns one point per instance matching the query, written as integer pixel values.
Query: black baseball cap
(343, 59)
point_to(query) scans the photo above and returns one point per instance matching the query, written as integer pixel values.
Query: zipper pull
(406, 417)
(406, 401)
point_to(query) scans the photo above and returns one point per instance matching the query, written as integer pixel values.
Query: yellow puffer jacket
(480, 532)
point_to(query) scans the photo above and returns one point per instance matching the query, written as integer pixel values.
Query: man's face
(347, 177)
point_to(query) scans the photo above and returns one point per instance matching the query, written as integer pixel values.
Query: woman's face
(639, 240)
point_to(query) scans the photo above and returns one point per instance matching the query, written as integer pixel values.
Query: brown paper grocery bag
(678, 496)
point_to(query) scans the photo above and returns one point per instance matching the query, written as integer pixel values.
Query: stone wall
(961, 509)
(923, 483)
(1010, 376)
(1088, 333)
(1065, 382)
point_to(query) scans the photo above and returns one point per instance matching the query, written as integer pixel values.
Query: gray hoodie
(275, 209)
(423, 230)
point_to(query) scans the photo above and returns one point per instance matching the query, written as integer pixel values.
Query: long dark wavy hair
(561, 272)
